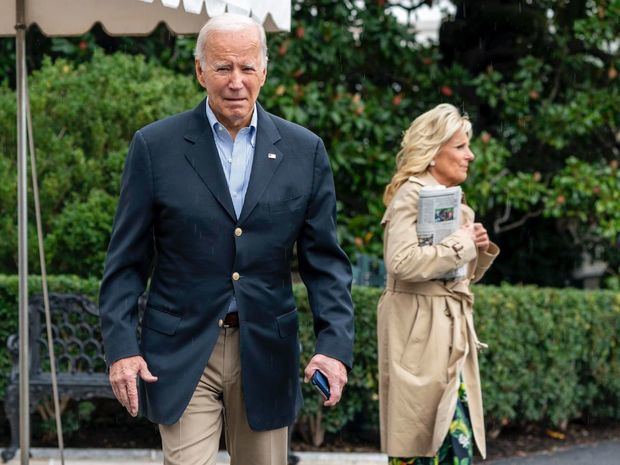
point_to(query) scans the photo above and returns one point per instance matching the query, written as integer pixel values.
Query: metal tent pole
(46, 299)
(22, 222)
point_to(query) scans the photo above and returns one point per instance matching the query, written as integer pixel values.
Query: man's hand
(123, 378)
(335, 372)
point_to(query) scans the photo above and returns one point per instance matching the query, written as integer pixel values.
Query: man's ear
(200, 73)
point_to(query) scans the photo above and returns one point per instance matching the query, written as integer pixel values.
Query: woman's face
(452, 160)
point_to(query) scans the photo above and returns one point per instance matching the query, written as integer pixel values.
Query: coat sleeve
(325, 268)
(405, 260)
(485, 260)
(129, 256)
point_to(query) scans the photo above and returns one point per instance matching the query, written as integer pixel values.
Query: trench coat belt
(458, 290)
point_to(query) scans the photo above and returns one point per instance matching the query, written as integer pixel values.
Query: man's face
(232, 74)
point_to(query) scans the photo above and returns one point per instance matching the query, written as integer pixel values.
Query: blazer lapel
(204, 158)
(267, 158)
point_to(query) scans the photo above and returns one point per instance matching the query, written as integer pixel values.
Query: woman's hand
(469, 229)
(481, 238)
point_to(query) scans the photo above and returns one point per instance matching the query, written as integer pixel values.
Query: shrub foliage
(539, 79)
(83, 117)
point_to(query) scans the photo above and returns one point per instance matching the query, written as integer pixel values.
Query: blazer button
(236, 276)
(238, 232)
(446, 311)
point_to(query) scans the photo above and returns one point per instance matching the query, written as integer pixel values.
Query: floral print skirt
(457, 448)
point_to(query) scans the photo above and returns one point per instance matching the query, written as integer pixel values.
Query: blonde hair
(422, 141)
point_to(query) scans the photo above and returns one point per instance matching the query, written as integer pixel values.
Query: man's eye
(220, 69)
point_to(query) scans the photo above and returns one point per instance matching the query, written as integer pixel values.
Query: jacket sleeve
(405, 260)
(485, 260)
(129, 256)
(325, 268)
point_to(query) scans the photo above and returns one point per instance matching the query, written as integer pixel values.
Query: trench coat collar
(427, 179)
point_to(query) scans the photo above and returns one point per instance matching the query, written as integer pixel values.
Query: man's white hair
(229, 22)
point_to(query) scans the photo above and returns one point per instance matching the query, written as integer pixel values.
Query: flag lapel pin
(271, 156)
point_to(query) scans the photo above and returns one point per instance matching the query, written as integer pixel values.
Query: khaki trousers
(218, 401)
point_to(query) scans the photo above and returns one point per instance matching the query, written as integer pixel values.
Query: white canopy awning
(138, 17)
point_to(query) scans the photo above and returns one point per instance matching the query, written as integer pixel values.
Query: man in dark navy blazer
(212, 204)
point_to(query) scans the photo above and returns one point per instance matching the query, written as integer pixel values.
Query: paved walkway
(602, 453)
(151, 457)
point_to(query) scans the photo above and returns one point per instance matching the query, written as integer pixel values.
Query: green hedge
(553, 354)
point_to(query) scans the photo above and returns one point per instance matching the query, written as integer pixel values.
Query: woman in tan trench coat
(430, 397)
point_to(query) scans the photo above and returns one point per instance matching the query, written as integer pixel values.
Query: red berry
(446, 90)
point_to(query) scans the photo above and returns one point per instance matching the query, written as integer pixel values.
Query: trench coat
(427, 341)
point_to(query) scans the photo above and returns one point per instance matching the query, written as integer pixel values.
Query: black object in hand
(319, 380)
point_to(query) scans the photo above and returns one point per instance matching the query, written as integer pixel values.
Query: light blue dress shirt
(236, 157)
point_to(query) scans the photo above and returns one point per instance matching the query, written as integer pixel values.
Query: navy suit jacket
(175, 225)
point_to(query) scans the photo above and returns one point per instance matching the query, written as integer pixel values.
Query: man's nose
(236, 81)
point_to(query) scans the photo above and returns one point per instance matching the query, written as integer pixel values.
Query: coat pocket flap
(287, 323)
(161, 321)
(287, 205)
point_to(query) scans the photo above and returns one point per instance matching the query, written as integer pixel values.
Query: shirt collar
(215, 124)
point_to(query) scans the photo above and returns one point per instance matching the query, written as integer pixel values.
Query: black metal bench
(80, 366)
